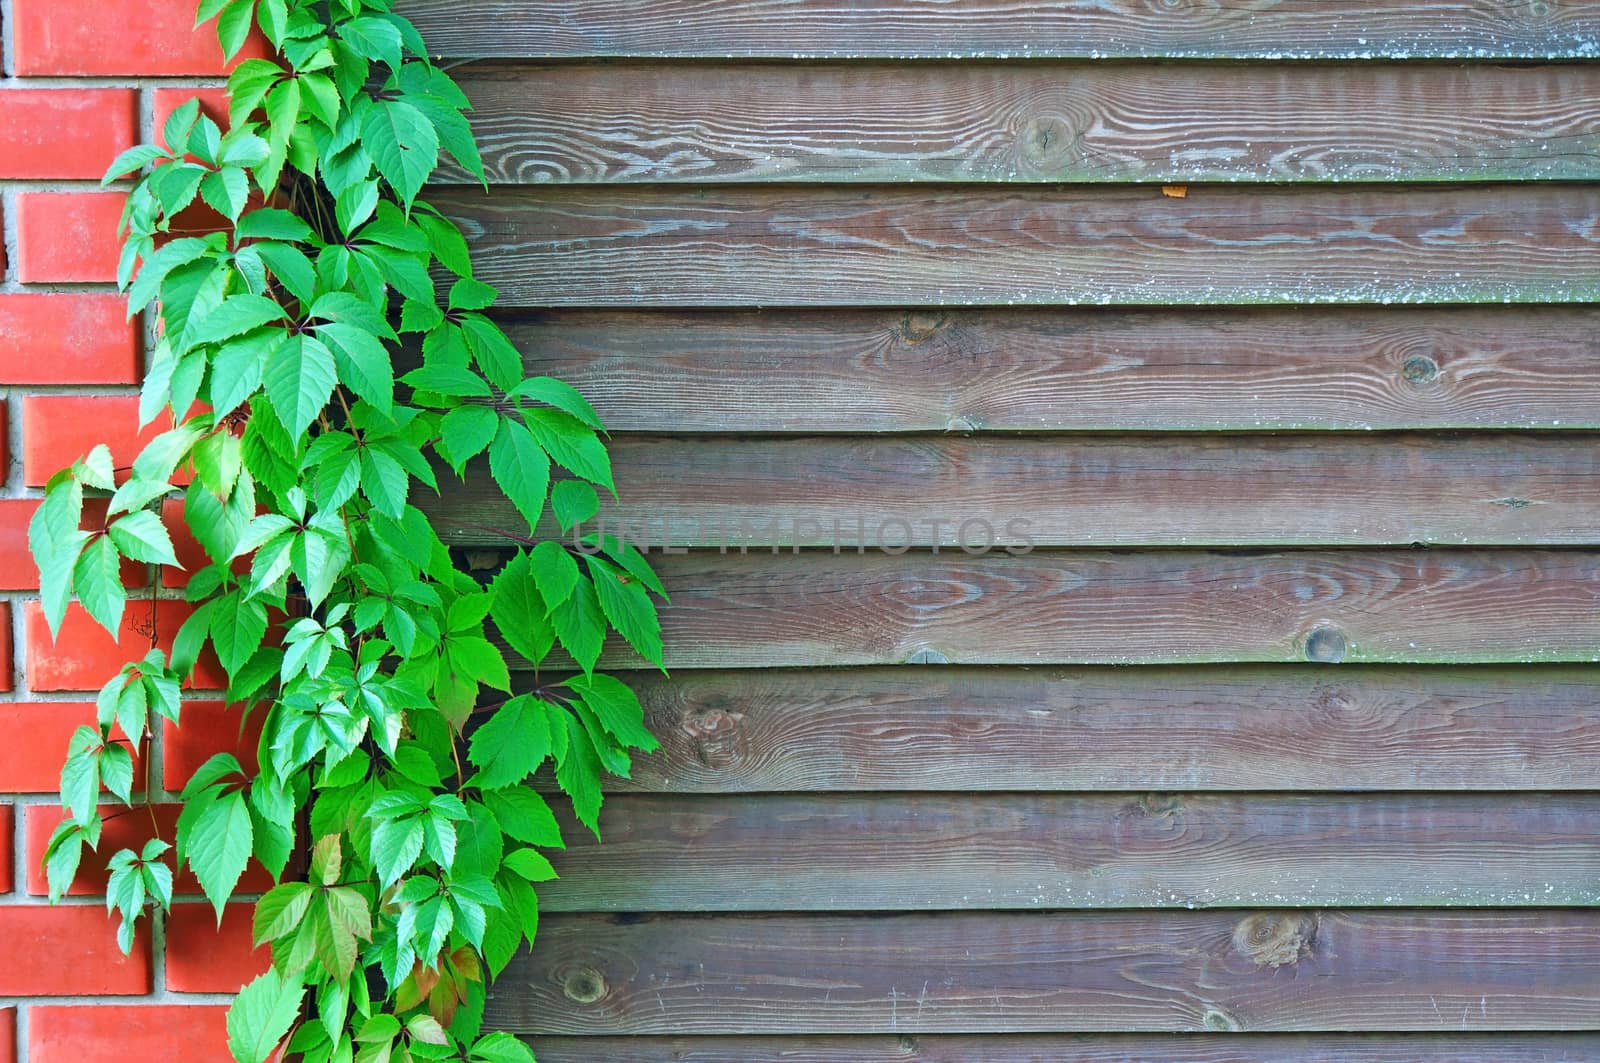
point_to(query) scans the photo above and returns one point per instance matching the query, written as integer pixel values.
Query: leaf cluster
(295, 455)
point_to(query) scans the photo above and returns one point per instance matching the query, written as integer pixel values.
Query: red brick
(35, 737)
(57, 430)
(8, 1035)
(69, 950)
(8, 874)
(67, 338)
(67, 236)
(125, 828)
(204, 729)
(65, 133)
(128, 1033)
(17, 570)
(205, 958)
(85, 655)
(151, 37)
(7, 666)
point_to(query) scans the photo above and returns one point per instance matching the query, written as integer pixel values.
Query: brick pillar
(84, 79)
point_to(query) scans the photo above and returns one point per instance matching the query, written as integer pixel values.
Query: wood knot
(1219, 1020)
(1165, 805)
(919, 325)
(909, 1046)
(584, 986)
(1045, 142)
(1274, 939)
(715, 733)
(1419, 369)
(1325, 645)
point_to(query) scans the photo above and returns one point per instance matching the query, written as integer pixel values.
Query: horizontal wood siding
(1039, 122)
(1261, 724)
(985, 972)
(1055, 369)
(1011, 29)
(978, 492)
(875, 246)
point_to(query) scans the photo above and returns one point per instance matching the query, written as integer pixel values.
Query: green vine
(328, 599)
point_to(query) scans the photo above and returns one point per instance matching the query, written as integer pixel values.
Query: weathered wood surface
(866, 122)
(887, 246)
(942, 852)
(1156, 607)
(976, 493)
(1080, 1048)
(1262, 727)
(969, 972)
(1074, 369)
(950, 29)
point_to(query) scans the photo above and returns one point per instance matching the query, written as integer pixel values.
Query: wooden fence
(1273, 737)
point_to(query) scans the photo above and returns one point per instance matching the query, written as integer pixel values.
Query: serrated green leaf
(627, 605)
(573, 502)
(141, 536)
(219, 846)
(519, 612)
(97, 577)
(464, 432)
(511, 744)
(300, 377)
(521, 468)
(403, 145)
(617, 708)
(363, 362)
(579, 775)
(500, 361)
(261, 1016)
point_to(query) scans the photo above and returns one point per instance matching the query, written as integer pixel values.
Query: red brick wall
(84, 79)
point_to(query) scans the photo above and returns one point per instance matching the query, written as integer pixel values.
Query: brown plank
(904, 852)
(1262, 727)
(876, 246)
(783, 29)
(1080, 1048)
(1302, 971)
(1175, 607)
(869, 122)
(1026, 370)
(976, 493)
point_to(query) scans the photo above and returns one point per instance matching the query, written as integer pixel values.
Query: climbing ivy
(337, 615)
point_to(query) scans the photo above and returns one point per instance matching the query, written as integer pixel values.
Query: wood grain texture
(783, 29)
(1263, 727)
(1074, 369)
(974, 494)
(867, 122)
(1380, 606)
(884, 246)
(1304, 971)
(944, 852)
(1080, 1048)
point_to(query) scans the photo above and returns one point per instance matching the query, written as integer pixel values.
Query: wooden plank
(1080, 1048)
(976, 493)
(1082, 369)
(877, 246)
(868, 122)
(1264, 727)
(1302, 971)
(1168, 607)
(951, 29)
(905, 852)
